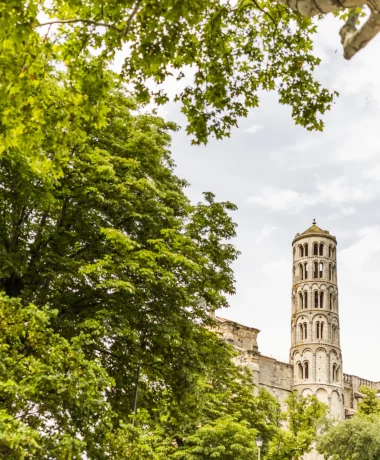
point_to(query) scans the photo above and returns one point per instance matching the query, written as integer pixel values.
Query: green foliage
(51, 403)
(358, 437)
(369, 406)
(225, 440)
(115, 249)
(352, 439)
(303, 417)
(224, 55)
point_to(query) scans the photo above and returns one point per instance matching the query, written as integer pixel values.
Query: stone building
(315, 360)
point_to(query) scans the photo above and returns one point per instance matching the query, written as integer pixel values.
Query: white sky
(281, 177)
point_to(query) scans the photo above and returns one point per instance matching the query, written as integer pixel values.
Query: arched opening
(334, 253)
(300, 249)
(294, 253)
(330, 272)
(330, 251)
(305, 331)
(300, 301)
(333, 333)
(316, 298)
(321, 300)
(315, 249)
(331, 301)
(334, 373)
(301, 331)
(306, 271)
(306, 370)
(321, 270)
(306, 249)
(300, 268)
(319, 330)
(305, 302)
(300, 371)
(315, 266)
(321, 247)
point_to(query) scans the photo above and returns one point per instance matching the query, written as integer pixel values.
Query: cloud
(337, 193)
(364, 249)
(265, 233)
(253, 129)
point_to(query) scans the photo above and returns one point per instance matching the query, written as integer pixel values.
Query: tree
(303, 417)
(51, 395)
(369, 406)
(225, 55)
(226, 439)
(356, 438)
(116, 249)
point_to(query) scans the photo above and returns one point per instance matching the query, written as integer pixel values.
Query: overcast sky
(281, 176)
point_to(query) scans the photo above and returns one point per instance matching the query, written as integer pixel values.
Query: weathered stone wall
(276, 377)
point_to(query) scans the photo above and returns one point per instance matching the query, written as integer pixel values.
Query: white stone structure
(315, 361)
(315, 347)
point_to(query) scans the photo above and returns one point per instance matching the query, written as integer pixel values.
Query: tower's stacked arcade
(315, 349)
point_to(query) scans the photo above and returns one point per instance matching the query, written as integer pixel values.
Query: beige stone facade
(315, 360)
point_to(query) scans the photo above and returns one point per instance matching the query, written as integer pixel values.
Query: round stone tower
(315, 348)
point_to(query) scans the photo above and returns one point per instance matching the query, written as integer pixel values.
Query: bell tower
(315, 343)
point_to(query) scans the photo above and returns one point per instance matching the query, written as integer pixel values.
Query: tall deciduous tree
(303, 417)
(117, 250)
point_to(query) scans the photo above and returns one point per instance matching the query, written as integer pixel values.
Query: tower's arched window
(321, 299)
(301, 331)
(316, 298)
(306, 271)
(300, 248)
(320, 330)
(315, 249)
(330, 272)
(315, 270)
(306, 249)
(300, 301)
(335, 373)
(333, 333)
(321, 270)
(330, 251)
(306, 370)
(331, 300)
(300, 371)
(305, 302)
(304, 331)
(321, 247)
(300, 271)
(334, 253)
(294, 253)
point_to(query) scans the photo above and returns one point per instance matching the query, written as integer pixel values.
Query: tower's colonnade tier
(315, 340)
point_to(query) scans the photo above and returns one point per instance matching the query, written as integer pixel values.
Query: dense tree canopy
(303, 417)
(358, 437)
(224, 53)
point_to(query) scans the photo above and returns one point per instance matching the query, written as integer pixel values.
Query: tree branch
(353, 39)
(130, 19)
(84, 21)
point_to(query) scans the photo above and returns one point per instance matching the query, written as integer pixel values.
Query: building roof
(314, 230)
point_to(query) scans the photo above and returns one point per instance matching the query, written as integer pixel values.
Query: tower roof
(314, 230)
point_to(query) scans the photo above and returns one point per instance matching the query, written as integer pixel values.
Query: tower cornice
(323, 234)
